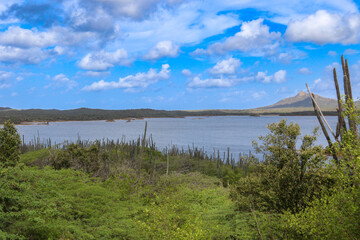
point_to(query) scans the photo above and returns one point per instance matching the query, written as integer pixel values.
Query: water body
(219, 133)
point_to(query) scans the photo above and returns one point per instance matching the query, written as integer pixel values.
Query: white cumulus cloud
(278, 77)
(33, 38)
(5, 75)
(5, 78)
(259, 95)
(324, 27)
(4, 85)
(321, 85)
(26, 38)
(100, 61)
(62, 81)
(162, 49)
(186, 72)
(138, 9)
(235, 79)
(254, 36)
(351, 51)
(227, 66)
(10, 54)
(332, 53)
(31, 46)
(140, 80)
(189, 23)
(96, 74)
(263, 77)
(211, 83)
(304, 71)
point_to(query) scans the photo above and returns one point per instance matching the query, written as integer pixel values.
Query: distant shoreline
(300, 105)
(129, 119)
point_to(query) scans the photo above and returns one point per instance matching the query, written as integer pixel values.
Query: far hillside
(303, 100)
(299, 105)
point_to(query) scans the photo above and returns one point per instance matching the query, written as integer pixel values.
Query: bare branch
(321, 114)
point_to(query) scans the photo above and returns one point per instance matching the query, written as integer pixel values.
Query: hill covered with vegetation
(298, 105)
(303, 100)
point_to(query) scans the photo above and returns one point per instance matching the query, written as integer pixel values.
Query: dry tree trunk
(350, 100)
(142, 148)
(318, 115)
(167, 162)
(341, 125)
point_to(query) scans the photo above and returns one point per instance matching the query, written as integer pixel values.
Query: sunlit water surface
(219, 133)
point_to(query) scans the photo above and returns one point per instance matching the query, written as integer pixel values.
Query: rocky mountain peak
(301, 94)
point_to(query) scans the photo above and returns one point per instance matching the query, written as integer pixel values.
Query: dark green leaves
(9, 145)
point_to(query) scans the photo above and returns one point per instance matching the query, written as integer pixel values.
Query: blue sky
(172, 54)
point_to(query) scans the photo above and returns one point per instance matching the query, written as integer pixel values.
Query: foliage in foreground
(289, 178)
(9, 145)
(68, 204)
(41, 204)
(300, 193)
(85, 192)
(336, 215)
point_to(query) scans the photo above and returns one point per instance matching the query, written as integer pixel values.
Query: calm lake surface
(219, 133)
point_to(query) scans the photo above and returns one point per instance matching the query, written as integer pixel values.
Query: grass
(30, 158)
(68, 204)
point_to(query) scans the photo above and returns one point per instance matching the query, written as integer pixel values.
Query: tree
(288, 178)
(9, 145)
(336, 215)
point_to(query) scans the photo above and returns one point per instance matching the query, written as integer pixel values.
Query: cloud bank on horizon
(172, 54)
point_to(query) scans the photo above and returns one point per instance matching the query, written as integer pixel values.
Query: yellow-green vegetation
(188, 206)
(118, 190)
(9, 145)
(65, 204)
(336, 214)
(301, 193)
(78, 192)
(32, 157)
(68, 204)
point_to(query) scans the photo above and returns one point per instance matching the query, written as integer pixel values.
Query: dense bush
(42, 204)
(9, 145)
(88, 159)
(188, 207)
(336, 215)
(68, 204)
(288, 178)
(301, 193)
(64, 201)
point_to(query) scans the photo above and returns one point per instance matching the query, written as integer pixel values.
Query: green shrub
(65, 204)
(9, 145)
(68, 204)
(288, 178)
(190, 206)
(336, 215)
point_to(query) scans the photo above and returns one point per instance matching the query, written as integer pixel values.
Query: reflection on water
(219, 133)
